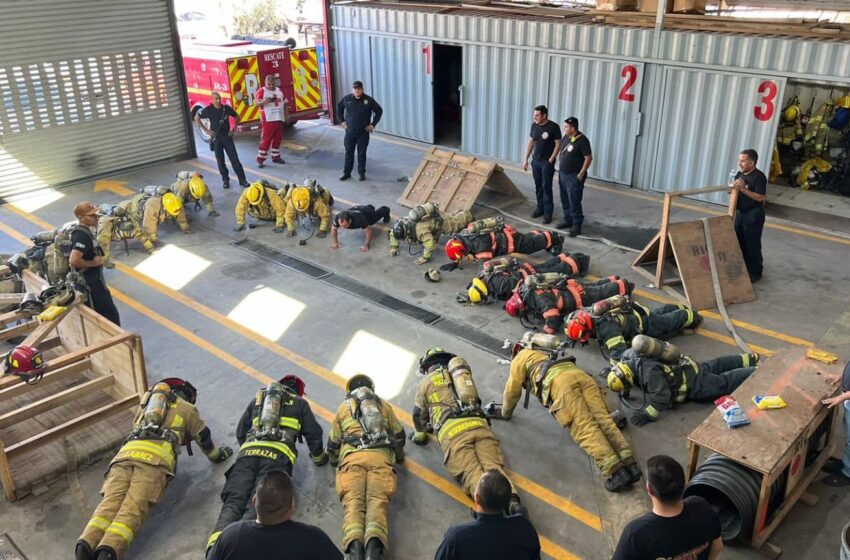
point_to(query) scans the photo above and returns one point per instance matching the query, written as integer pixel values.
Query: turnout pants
(560, 265)
(472, 453)
(359, 140)
(578, 404)
(543, 173)
(668, 320)
(240, 481)
(531, 242)
(271, 137)
(365, 483)
(129, 492)
(224, 145)
(748, 227)
(719, 377)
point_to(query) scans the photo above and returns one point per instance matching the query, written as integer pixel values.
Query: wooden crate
(95, 376)
(776, 442)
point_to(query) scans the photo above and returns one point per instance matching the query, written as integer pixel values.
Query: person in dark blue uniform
(751, 184)
(360, 115)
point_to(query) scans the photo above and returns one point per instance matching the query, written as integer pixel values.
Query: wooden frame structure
(776, 443)
(95, 375)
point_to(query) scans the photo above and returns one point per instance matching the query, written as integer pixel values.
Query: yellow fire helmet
(477, 291)
(791, 113)
(255, 193)
(172, 204)
(197, 187)
(300, 199)
(620, 377)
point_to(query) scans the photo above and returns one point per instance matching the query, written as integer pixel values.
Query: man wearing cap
(360, 115)
(573, 161)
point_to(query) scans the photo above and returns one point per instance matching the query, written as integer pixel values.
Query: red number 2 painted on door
(767, 106)
(630, 73)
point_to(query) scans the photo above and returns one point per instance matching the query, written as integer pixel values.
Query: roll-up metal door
(88, 88)
(707, 118)
(605, 98)
(401, 82)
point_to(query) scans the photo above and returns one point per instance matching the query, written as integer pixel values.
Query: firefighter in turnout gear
(191, 189)
(424, 225)
(489, 238)
(447, 402)
(151, 207)
(365, 440)
(310, 200)
(548, 298)
(262, 201)
(114, 224)
(276, 418)
(541, 366)
(617, 320)
(667, 378)
(144, 465)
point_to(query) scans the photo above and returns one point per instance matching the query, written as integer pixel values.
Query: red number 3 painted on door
(767, 106)
(630, 73)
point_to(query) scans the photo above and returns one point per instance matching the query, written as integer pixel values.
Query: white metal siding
(351, 63)
(401, 84)
(88, 87)
(589, 89)
(707, 119)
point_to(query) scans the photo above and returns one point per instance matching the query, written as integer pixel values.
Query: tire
(203, 135)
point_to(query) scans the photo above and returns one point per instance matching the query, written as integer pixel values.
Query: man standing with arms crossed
(356, 111)
(543, 144)
(273, 104)
(218, 115)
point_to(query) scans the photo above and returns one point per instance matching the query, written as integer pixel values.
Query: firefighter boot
(105, 553)
(634, 472)
(515, 507)
(619, 481)
(355, 550)
(557, 244)
(83, 551)
(374, 549)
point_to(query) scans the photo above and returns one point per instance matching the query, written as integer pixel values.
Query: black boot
(557, 244)
(105, 553)
(355, 550)
(515, 507)
(619, 481)
(83, 551)
(374, 549)
(634, 472)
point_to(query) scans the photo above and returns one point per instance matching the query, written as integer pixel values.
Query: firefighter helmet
(515, 306)
(359, 380)
(60, 294)
(197, 187)
(295, 383)
(621, 377)
(579, 326)
(434, 356)
(433, 274)
(26, 362)
(255, 193)
(300, 198)
(401, 230)
(477, 291)
(309, 182)
(455, 249)
(126, 230)
(172, 204)
(791, 113)
(182, 388)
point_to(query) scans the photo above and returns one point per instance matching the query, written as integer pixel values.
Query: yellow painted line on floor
(15, 234)
(566, 506)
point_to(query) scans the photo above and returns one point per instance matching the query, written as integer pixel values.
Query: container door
(275, 62)
(707, 119)
(244, 75)
(605, 98)
(401, 84)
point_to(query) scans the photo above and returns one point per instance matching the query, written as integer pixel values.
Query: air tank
(462, 381)
(655, 348)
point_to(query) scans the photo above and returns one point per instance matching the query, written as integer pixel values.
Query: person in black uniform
(222, 138)
(573, 163)
(749, 215)
(543, 144)
(87, 258)
(264, 451)
(359, 217)
(360, 115)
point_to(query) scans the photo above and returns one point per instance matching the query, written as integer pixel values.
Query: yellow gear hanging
(172, 204)
(197, 187)
(255, 193)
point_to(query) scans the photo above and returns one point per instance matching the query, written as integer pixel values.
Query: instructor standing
(87, 259)
(272, 102)
(573, 163)
(543, 143)
(751, 184)
(360, 115)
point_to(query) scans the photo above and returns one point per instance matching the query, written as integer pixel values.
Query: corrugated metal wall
(351, 62)
(605, 97)
(501, 88)
(401, 83)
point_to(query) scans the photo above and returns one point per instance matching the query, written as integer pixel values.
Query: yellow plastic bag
(51, 313)
(769, 401)
(821, 355)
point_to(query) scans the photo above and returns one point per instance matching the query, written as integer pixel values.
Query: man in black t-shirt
(543, 144)
(573, 162)
(274, 536)
(86, 258)
(218, 116)
(749, 215)
(359, 217)
(675, 528)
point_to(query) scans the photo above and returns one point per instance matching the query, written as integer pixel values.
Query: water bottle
(732, 176)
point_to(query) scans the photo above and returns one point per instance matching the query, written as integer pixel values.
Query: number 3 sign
(767, 104)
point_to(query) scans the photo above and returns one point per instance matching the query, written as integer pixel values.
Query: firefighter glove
(419, 438)
(109, 264)
(393, 251)
(448, 267)
(322, 234)
(640, 418)
(240, 227)
(321, 459)
(213, 213)
(290, 233)
(422, 260)
(278, 230)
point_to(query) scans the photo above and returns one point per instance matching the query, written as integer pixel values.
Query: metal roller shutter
(88, 88)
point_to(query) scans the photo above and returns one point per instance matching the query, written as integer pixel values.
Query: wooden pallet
(94, 377)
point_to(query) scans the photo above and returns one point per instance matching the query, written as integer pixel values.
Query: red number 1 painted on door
(427, 52)
(630, 73)
(767, 106)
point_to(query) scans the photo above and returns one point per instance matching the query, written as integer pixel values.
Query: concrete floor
(324, 334)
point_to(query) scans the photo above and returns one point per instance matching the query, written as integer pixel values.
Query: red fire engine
(237, 69)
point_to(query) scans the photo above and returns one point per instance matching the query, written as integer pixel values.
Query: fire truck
(237, 69)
